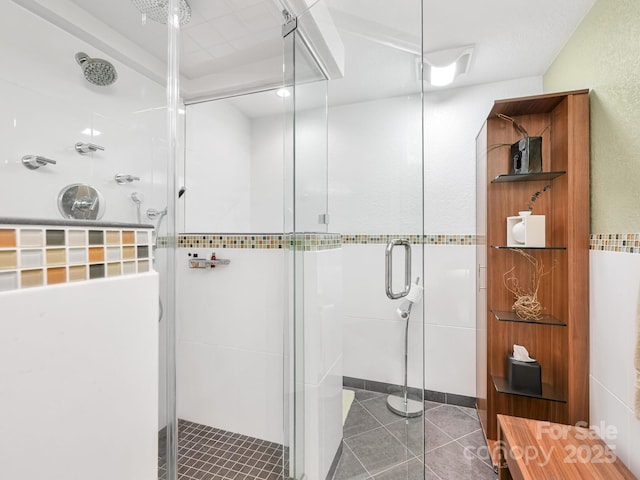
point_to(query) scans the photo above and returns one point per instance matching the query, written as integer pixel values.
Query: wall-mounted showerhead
(158, 10)
(96, 70)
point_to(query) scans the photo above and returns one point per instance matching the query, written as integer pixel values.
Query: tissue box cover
(524, 376)
(526, 156)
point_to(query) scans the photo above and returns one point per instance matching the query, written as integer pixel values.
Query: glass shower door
(354, 183)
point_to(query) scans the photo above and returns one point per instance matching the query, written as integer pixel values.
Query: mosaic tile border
(205, 240)
(615, 242)
(312, 242)
(305, 242)
(415, 239)
(40, 255)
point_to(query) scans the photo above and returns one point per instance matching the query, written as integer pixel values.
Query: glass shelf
(549, 392)
(509, 247)
(526, 177)
(512, 317)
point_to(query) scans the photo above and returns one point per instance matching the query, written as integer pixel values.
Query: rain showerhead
(96, 70)
(158, 10)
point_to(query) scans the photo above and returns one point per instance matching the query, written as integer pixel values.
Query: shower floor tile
(374, 439)
(208, 453)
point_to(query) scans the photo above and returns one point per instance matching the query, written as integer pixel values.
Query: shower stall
(300, 184)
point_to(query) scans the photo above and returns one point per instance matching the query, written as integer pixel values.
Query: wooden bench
(536, 450)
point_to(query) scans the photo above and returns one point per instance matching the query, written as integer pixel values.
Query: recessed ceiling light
(283, 92)
(442, 67)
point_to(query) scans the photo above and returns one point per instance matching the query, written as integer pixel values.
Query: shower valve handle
(33, 162)
(84, 148)
(123, 178)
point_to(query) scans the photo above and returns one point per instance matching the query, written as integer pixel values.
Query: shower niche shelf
(559, 342)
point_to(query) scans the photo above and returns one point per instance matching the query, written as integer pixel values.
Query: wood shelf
(527, 177)
(549, 392)
(512, 317)
(559, 342)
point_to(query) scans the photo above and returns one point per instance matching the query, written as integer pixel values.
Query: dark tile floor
(382, 446)
(207, 453)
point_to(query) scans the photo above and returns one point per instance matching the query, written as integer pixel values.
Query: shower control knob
(123, 178)
(84, 148)
(33, 162)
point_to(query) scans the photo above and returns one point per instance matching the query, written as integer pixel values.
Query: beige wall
(604, 55)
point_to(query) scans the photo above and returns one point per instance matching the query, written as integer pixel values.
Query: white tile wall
(230, 337)
(80, 381)
(322, 307)
(267, 174)
(323, 359)
(375, 166)
(233, 389)
(323, 422)
(217, 172)
(374, 336)
(450, 359)
(614, 303)
(452, 120)
(450, 285)
(47, 104)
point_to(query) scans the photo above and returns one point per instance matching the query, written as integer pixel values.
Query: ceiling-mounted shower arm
(84, 148)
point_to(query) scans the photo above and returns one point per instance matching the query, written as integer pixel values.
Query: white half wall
(323, 359)
(614, 303)
(79, 390)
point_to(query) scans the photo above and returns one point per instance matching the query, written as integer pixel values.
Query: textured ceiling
(239, 41)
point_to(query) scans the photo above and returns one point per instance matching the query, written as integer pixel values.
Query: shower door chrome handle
(388, 270)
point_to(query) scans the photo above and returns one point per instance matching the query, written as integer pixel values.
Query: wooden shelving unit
(560, 341)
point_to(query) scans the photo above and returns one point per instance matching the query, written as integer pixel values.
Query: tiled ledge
(616, 242)
(71, 223)
(37, 255)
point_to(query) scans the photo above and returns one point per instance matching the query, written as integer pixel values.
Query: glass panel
(231, 318)
(376, 175)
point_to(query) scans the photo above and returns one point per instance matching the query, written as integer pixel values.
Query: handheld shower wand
(403, 405)
(138, 198)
